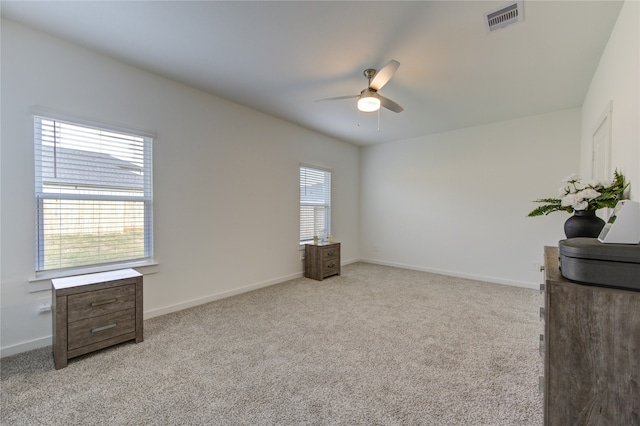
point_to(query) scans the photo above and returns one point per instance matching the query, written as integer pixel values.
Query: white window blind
(315, 203)
(93, 195)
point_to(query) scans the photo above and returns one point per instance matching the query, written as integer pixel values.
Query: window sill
(42, 280)
(310, 242)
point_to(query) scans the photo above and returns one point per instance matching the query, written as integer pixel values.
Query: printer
(589, 261)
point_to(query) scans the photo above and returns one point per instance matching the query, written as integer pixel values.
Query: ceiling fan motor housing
(369, 92)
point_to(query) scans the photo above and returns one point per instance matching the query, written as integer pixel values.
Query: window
(315, 203)
(93, 195)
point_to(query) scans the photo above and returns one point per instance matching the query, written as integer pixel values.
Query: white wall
(456, 202)
(617, 80)
(225, 180)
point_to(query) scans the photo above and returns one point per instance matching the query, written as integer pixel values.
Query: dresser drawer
(96, 329)
(331, 267)
(330, 253)
(101, 302)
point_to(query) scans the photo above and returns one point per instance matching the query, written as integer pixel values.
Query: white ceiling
(279, 57)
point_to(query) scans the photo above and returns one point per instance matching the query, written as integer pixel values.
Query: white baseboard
(26, 346)
(350, 261)
(217, 296)
(488, 279)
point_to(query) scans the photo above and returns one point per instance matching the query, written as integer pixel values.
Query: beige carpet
(375, 346)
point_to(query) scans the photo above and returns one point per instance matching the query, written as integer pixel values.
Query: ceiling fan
(369, 99)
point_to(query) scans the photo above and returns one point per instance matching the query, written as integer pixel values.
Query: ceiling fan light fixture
(368, 104)
(369, 101)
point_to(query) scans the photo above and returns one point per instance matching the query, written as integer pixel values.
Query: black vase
(583, 223)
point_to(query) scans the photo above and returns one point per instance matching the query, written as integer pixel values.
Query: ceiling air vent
(504, 16)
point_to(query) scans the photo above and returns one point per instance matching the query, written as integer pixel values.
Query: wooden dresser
(321, 260)
(93, 311)
(591, 351)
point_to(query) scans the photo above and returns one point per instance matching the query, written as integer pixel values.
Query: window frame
(146, 200)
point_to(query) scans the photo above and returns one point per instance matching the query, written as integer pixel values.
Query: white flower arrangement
(576, 195)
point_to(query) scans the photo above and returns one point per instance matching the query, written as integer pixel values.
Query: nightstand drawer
(91, 330)
(331, 267)
(101, 302)
(330, 253)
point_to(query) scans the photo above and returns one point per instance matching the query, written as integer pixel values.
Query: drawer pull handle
(331, 265)
(103, 302)
(104, 327)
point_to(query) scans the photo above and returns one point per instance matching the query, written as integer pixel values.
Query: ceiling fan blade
(390, 105)
(384, 75)
(338, 98)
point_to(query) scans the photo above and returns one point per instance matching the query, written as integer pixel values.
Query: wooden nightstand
(322, 260)
(94, 311)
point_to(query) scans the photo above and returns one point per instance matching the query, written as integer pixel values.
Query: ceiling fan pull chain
(378, 119)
